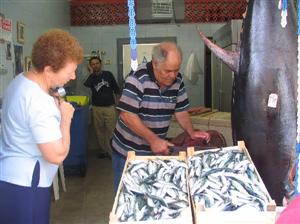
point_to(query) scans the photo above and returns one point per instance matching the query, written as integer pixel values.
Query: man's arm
(135, 124)
(183, 118)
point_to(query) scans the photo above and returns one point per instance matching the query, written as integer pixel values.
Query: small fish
(152, 190)
(225, 180)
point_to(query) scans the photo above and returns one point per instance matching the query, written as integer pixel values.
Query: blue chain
(132, 34)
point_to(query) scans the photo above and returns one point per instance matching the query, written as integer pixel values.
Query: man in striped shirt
(151, 96)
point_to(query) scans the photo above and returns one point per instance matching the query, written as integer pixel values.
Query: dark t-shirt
(103, 87)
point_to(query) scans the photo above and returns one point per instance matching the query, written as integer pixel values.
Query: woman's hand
(66, 110)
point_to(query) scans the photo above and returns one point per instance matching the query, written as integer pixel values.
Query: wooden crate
(186, 215)
(206, 216)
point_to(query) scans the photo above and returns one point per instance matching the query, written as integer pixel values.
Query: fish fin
(230, 58)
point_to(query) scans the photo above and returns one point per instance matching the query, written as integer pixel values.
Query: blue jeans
(118, 163)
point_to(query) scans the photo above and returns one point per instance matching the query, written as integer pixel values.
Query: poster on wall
(20, 32)
(27, 63)
(8, 51)
(19, 62)
(5, 29)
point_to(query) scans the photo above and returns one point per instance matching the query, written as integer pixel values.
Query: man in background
(105, 92)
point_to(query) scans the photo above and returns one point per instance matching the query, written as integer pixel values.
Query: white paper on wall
(5, 29)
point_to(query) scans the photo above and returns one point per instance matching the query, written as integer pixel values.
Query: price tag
(272, 101)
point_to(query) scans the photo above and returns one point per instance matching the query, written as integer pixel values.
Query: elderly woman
(36, 129)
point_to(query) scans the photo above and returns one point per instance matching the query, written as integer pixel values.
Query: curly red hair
(54, 48)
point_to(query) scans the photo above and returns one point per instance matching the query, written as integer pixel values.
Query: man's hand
(89, 68)
(201, 134)
(160, 146)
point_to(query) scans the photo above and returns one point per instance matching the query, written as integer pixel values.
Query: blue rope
(132, 33)
(284, 4)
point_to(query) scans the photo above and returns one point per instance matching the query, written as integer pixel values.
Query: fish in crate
(226, 188)
(226, 180)
(153, 189)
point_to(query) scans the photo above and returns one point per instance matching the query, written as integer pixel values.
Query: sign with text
(5, 29)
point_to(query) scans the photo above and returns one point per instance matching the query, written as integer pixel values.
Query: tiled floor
(88, 199)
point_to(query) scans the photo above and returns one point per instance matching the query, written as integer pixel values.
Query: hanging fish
(264, 91)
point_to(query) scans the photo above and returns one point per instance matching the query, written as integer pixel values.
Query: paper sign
(272, 101)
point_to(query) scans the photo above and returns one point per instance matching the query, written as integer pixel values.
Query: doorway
(207, 77)
(144, 48)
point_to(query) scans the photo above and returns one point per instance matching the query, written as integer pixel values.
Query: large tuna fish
(265, 69)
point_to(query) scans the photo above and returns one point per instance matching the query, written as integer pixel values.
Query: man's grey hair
(160, 52)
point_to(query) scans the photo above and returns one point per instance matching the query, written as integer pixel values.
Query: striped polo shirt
(143, 97)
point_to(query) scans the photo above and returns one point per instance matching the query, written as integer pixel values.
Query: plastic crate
(79, 100)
